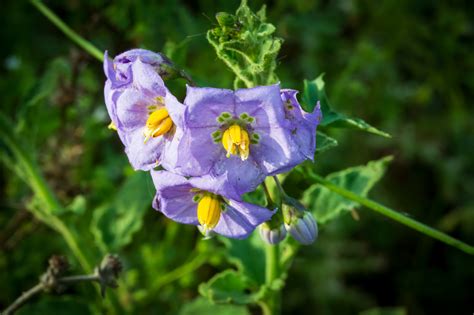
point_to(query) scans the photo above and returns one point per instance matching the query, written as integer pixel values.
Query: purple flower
(135, 98)
(196, 201)
(302, 124)
(243, 136)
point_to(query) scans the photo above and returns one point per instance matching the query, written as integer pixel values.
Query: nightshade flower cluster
(205, 152)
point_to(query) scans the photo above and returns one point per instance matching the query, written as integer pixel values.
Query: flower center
(157, 124)
(236, 141)
(209, 210)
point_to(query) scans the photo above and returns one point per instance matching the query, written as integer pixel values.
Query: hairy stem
(394, 215)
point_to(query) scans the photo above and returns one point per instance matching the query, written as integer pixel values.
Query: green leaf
(203, 306)
(246, 44)
(230, 287)
(114, 224)
(327, 205)
(324, 142)
(315, 90)
(248, 256)
(385, 311)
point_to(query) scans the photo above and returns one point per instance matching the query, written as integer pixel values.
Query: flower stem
(86, 45)
(272, 273)
(394, 215)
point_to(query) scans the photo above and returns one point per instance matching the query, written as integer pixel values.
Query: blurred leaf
(385, 311)
(230, 287)
(77, 206)
(248, 256)
(246, 45)
(114, 224)
(327, 205)
(324, 142)
(314, 91)
(203, 306)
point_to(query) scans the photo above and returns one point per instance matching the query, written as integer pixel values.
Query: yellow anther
(158, 124)
(209, 211)
(112, 126)
(235, 140)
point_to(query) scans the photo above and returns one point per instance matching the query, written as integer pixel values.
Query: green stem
(394, 215)
(86, 45)
(271, 303)
(272, 273)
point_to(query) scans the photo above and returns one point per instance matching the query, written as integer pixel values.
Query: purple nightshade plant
(243, 135)
(195, 201)
(135, 98)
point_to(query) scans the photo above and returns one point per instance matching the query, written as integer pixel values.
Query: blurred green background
(406, 67)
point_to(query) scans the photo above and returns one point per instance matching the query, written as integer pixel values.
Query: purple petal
(174, 197)
(204, 105)
(143, 156)
(241, 176)
(198, 152)
(147, 80)
(241, 218)
(132, 109)
(263, 103)
(276, 150)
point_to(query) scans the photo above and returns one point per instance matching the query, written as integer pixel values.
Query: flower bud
(299, 222)
(272, 235)
(303, 228)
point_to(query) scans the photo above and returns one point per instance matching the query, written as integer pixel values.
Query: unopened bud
(272, 235)
(303, 228)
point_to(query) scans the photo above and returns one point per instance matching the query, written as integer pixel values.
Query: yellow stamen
(158, 124)
(209, 211)
(235, 140)
(112, 126)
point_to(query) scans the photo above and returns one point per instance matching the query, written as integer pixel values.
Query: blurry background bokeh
(406, 67)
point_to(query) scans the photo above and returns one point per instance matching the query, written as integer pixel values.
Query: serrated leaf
(385, 311)
(248, 256)
(114, 224)
(203, 306)
(326, 205)
(324, 142)
(230, 286)
(315, 90)
(246, 44)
